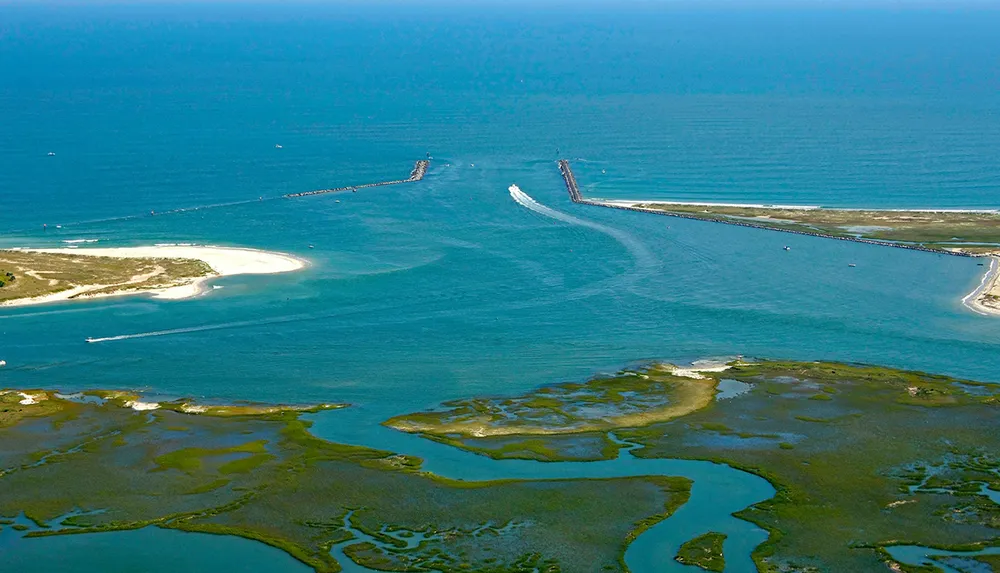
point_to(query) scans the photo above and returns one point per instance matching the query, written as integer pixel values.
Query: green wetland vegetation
(862, 457)
(704, 551)
(92, 462)
(631, 397)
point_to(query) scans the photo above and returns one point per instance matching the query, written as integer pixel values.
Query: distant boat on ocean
(787, 248)
(52, 154)
(277, 146)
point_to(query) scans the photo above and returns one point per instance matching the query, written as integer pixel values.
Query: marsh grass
(704, 551)
(265, 477)
(885, 457)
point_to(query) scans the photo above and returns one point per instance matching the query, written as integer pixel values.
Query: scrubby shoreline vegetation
(862, 457)
(965, 231)
(106, 461)
(40, 275)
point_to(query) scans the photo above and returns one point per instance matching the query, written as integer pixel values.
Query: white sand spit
(985, 299)
(224, 261)
(696, 369)
(29, 399)
(141, 406)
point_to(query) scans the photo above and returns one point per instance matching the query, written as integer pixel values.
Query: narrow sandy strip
(224, 261)
(974, 301)
(637, 203)
(990, 285)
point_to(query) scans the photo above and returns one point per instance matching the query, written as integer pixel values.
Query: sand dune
(224, 261)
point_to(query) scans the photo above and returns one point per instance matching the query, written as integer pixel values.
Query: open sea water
(450, 288)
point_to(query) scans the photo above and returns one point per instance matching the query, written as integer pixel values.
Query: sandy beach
(224, 261)
(986, 298)
(637, 203)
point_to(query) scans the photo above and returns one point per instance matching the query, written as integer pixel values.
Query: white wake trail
(176, 331)
(205, 327)
(644, 259)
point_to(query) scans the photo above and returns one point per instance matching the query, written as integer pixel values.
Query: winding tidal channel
(718, 490)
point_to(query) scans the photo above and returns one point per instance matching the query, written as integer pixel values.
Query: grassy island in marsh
(632, 397)
(862, 457)
(704, 551)
(104, 461)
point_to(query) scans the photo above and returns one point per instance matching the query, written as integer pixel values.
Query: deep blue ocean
(448, 288)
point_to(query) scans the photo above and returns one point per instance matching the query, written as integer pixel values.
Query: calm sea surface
(448, 288)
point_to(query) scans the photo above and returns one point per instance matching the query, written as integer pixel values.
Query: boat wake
(171, 331)
(644, 259)
(202, 328)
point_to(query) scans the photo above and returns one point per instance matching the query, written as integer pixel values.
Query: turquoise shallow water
(449, 288)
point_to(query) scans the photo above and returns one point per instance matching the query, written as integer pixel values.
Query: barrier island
(975, 232)
(39, 276)
(966, 233)
(959, 232)
(862, 457)
(104, 461)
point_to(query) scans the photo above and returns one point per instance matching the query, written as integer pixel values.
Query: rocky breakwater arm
(418, 172)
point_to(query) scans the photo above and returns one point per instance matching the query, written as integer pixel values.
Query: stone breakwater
(419, 170)
(570, 179)
(574, 194)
